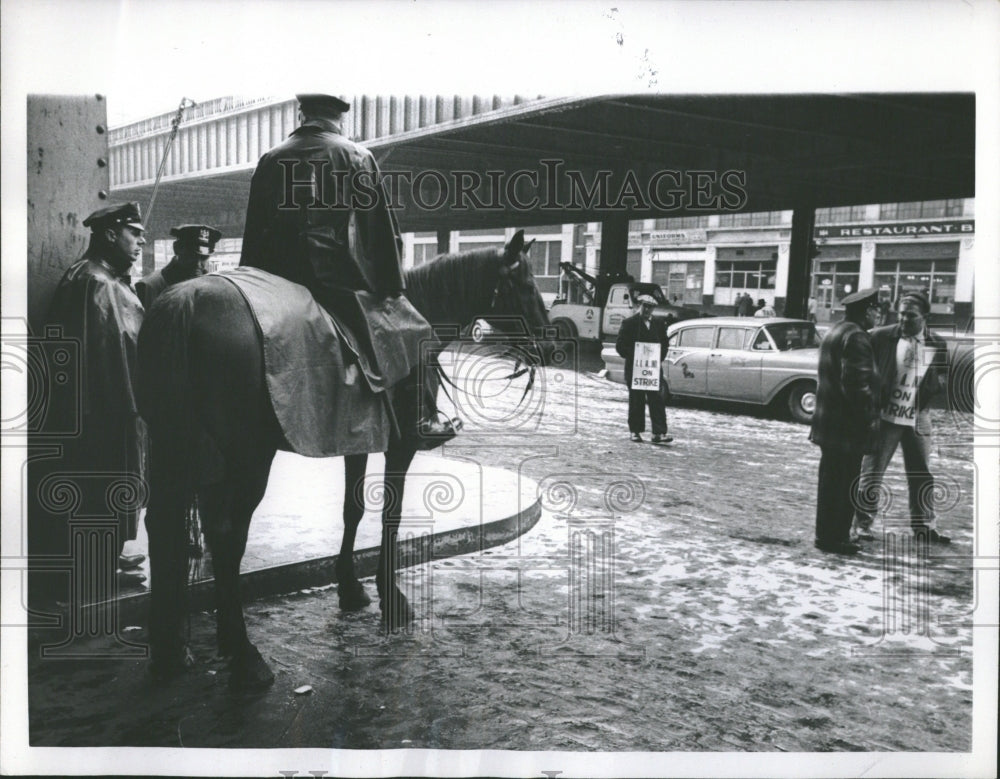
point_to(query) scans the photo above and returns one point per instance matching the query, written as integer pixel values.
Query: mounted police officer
(318, 214)
(193, 246)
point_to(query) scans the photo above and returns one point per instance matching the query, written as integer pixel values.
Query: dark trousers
(838, 483)
(916, 446)
(637, 400)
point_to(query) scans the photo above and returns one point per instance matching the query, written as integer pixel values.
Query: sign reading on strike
(646, 367)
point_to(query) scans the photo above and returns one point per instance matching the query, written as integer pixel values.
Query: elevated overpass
(466, 163)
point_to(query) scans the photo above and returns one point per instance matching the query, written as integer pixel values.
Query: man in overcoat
(643, 327)
(845, 423)
(912, 362)
(319, 215)
(193, 246)
(95, 305)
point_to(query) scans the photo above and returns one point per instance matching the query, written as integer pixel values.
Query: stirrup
(432, 432)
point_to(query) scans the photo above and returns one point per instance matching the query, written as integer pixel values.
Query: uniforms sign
(646, 367)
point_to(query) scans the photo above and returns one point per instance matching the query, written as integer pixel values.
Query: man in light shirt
(911, 362)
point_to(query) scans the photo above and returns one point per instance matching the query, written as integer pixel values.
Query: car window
(760, 343)
(696, 336)
(732, 337)
(794, 335)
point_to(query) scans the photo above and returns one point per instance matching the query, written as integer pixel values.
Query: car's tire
(802, 401)
(565, 329)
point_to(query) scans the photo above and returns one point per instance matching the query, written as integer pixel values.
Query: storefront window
(936, 277)
(545, 257)
(681, 282)
(832, 282)
(756, 277)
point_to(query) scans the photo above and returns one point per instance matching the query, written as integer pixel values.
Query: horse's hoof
(249, 673)
(353, 596)
(164, 670)
(397, 614)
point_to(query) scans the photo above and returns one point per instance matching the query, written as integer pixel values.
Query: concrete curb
(319, 571)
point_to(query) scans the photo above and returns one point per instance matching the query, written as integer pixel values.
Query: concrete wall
(67, 179)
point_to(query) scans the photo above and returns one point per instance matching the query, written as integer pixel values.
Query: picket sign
(646, 367)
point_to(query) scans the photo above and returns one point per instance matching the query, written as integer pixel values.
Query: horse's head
(517, 304)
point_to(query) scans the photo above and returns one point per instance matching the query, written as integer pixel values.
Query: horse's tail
(166, 399)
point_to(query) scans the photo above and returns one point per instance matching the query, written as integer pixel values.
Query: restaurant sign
(893, 229)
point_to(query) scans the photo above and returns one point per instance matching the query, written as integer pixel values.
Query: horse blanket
(319, 380)
(317, 384)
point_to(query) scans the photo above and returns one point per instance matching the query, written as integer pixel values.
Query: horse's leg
(352, 595)
(171, 491)
(396, 610)
(226, 511)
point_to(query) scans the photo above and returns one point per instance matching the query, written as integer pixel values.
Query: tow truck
(609, 300)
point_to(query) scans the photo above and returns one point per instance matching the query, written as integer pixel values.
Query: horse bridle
(518, 371)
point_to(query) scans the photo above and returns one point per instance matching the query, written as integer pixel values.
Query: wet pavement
(669, 599)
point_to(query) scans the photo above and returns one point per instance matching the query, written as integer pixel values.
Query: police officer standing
(193, 246)
(96, 306)
(846, 421)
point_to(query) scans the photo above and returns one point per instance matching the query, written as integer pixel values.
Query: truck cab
(610, 305)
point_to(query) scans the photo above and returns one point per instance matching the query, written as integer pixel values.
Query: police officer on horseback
(318, 215)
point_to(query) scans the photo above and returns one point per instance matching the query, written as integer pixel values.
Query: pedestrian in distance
(193, 246)
(642, 343)
(745, 306)
(845, 423)
(764, 309)
(95, 305)
(912, 362)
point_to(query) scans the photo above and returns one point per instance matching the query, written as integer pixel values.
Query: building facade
(707, 261)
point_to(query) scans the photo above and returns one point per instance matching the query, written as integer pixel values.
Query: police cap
(323, 104)
(123, 214)
(645, 300)
(201, 237)
(867, 296)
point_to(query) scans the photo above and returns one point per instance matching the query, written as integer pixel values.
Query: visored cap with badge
(202, 237)
(868, 296)
(647, 300)
(317, 102)
(122, 214)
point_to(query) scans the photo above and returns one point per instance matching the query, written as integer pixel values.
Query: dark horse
(224, 396)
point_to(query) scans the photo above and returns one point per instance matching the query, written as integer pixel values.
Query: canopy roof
(743, 152)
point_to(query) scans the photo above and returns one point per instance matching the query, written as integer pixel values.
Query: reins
(517, 371)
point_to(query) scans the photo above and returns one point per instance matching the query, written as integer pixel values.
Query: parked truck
(609, 300)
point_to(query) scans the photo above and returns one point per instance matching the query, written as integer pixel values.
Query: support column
(800, 251)
(443, 241)
(614, 254)
(614, 244)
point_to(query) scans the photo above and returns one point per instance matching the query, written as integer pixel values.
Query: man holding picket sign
(642, 343)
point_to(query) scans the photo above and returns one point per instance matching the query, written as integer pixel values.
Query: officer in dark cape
(96, 306)
(193, 246)
(319, 215)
